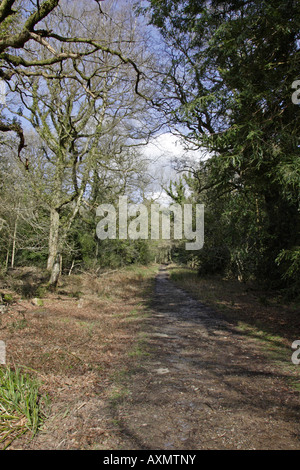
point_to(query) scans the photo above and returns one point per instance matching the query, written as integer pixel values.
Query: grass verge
(76, 345)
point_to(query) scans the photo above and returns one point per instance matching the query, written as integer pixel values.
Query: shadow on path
(204, 385)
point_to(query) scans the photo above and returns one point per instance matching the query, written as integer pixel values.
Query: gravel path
(204, 385)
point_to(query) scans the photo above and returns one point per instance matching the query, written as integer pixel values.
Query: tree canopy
(26, 24)
(228, 88)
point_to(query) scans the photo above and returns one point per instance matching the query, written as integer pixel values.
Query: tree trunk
(55, 272)
(7, 258)
(57, 239)
(12, 264)
(13, 253)
(53, 238)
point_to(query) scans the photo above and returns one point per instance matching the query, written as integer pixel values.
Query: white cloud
(162, 153)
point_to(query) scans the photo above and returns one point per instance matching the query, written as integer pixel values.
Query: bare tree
(22, 227)
(25, 24)
(86, 129)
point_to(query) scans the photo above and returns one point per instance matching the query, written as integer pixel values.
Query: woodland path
(204, 384)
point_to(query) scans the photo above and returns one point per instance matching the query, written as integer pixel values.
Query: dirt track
(204, 385)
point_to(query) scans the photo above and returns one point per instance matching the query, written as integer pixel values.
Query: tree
(232, 65)
(25, 24)
(84, 132)
(24, 226)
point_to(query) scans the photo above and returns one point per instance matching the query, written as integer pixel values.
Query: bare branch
(15, 127)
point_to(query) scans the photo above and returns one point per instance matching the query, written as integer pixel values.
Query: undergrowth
(21, 405)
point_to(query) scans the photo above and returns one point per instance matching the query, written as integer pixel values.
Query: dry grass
(76, 343)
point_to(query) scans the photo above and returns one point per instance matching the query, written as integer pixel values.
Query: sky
(162, 152)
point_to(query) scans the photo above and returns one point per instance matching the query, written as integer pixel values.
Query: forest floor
(132, 361)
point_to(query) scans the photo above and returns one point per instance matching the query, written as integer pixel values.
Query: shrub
(20, 405)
